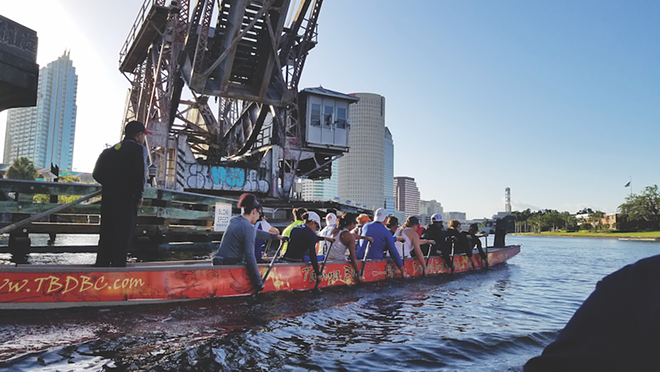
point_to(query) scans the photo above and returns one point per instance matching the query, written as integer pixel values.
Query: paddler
(473, 238)
(436, 232)
(302, 243)
(297, 221)
(382, 240)
(237, 244)
(460, 242)
(345, 242)
(411, 241)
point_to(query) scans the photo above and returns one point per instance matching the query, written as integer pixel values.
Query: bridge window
(328, 115)
(341, 117)
(316, 115)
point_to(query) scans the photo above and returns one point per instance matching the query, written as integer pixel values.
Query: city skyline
(557, 101)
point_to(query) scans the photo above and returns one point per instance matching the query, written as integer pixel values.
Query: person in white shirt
(263, 225)
(330, 224)
(411, 241)
(345, 242)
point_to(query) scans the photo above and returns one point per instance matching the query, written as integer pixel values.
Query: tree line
(637, 213)
(23, 168)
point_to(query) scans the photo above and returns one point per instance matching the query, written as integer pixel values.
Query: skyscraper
(427, 208)
(324, 190)
(388, 175)
(430, 207)
(361, 174)
(45, 133)
(407, 195)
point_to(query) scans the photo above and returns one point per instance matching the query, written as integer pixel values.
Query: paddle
(364, 260)
(272, 262)
(325, 259)
(453, 243)
(265, 252)
(486, 249)
(428, 254)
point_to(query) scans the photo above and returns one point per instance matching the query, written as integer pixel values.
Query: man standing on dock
(121, 171)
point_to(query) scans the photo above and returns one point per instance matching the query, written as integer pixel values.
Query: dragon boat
(60, 286)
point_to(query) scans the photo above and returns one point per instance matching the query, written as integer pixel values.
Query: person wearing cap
(297, 221)
(362, 220)
(473, 239)
(382, 240)
(302, 242)
(330, 225)
(411, 241)
(121, 170)
(237, 244)
(436, 232)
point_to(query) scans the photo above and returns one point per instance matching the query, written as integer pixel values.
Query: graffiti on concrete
(209, 177)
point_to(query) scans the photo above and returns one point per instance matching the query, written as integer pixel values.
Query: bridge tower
(218, 88)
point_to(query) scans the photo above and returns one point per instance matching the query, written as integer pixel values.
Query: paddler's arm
(360, 237)
(250, 259)
(418, 252)
(389, 244)
(311, 252)
(265, 235)
(347, 236)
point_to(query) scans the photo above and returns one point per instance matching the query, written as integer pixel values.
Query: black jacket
(460, 241)
(120, 169)
(437, 233)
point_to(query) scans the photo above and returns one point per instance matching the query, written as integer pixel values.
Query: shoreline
(647, 236)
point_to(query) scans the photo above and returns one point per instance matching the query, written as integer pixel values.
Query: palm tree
(22, 169)
(597, 219)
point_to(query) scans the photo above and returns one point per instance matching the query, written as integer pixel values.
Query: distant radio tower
(507, 199)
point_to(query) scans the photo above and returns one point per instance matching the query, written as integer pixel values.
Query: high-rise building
(324, 190)
(430, 207)
(45, 133)
(460, 216)
(407, 195)
(361, 174)
(388, 169)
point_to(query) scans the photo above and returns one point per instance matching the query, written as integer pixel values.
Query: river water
(493, 320)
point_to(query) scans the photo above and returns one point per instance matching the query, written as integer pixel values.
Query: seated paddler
(382, 241)
(302, 242)
(237, 244)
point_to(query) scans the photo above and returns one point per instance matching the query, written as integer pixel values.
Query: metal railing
(142, 15)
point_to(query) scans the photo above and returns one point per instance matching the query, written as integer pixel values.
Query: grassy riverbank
(602, 235)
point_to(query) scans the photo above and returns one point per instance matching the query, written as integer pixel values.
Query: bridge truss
(217, 83)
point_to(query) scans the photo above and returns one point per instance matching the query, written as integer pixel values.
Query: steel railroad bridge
(217, 84)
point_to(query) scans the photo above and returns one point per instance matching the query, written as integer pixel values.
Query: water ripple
(487, 321)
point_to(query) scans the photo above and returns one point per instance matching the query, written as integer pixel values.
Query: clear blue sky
(558, 100)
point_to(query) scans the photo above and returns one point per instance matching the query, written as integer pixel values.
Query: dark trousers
(477, 242)
(118, 220)
(445, 252)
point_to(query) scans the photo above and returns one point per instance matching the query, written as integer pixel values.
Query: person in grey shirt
(237, 244)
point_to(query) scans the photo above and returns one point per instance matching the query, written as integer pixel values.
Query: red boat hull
(43, 286)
